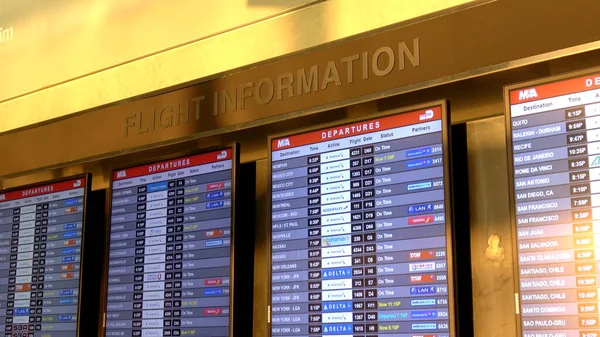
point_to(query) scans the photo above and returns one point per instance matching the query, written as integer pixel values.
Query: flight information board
(554, 153)
(360, 229)
(40, 258)
(170, 247)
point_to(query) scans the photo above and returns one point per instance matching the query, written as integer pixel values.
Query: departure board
(554, 152)
(40, 258)
(360, 229)
(170, 247)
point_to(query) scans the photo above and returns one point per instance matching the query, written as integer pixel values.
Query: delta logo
(121, 174)
(418, 220)
(527, 94)
(284, 142)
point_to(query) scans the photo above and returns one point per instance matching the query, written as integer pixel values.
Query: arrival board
(170, 243)
(359, 229)
(554, 142)
(40, 259)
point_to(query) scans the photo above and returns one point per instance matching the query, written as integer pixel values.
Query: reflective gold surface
(60, 40)
(108, 44)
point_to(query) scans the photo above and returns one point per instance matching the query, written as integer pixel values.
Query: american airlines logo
(121, 174)
(527, 94)
(283, 142)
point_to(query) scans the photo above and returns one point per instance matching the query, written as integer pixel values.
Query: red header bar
(43, 189)
(359, 128)
(173, 164)
(554, 89)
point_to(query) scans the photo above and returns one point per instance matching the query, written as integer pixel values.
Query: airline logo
(425, 266)
(427, 115)
(336, 241)
(420, 208)
(527, 94)
(213, 311)
(214, 233)
(213, 282)
(215, 186)
(284, 142)
(419, 220)
(77, 183)
(2, 197)
(422, 302)
(426, 278)
(423, 290)
(121, 174)
(222, 155)
(595, 162)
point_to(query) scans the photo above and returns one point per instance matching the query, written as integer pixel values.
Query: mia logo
(527, 94)
(121, 174)
(6, 34)
(283, 142)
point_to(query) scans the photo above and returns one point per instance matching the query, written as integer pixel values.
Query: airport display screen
(360, 229)
(40, 258)
(170, 248)
(554, 149)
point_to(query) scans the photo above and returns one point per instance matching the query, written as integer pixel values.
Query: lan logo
(595, 162)
(283, 142)
(527, 94)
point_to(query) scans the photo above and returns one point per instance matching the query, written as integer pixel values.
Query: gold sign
(405, 58)
(299, 84)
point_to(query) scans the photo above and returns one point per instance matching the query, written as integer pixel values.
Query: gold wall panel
(60, 40)
(492, 268)
(41, 79)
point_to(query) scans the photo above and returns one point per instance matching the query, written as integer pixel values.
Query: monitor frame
(448, 201)
(87, 190)
(235, 157)
(511, 175)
